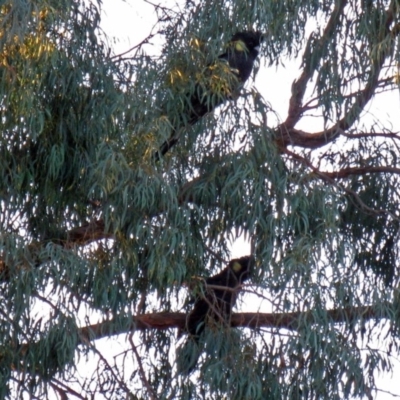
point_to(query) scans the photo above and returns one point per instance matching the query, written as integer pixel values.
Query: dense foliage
(101, 239)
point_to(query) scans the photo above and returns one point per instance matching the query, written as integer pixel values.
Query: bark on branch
(286, 133)
(311, 59)
(292, 321)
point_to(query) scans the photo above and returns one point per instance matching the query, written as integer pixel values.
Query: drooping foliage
(101, 239)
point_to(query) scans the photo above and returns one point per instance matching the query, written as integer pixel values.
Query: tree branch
(253, 320)
(87, 233)
(346, 172)
(311, 60)
(142, 372)
(292, 321)
(325, 176)
(287, 135)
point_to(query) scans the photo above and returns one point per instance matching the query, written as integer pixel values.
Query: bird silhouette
(235, 65)
(213, 307)
(219, 296)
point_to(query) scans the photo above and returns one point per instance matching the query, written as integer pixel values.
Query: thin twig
(331, 180)
(150, 391)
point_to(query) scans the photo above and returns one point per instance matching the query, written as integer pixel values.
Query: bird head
(242, 51)
(248, 42)
(241, 267)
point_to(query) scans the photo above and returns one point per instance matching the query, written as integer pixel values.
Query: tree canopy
(100, 240)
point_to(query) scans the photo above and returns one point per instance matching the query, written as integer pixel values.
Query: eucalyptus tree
(105, 239)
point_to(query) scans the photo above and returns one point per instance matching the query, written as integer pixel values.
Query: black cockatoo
(241, 52)
(213, 307)
(219, 297)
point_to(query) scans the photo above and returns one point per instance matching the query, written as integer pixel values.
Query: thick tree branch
(292, 321)
(311, 59)
(252, 320)
(166, 320)
(287, 135)
(86, 234)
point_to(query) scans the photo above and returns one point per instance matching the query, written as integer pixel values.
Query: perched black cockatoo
(241, 52)
(213, 307)
(220, 294)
